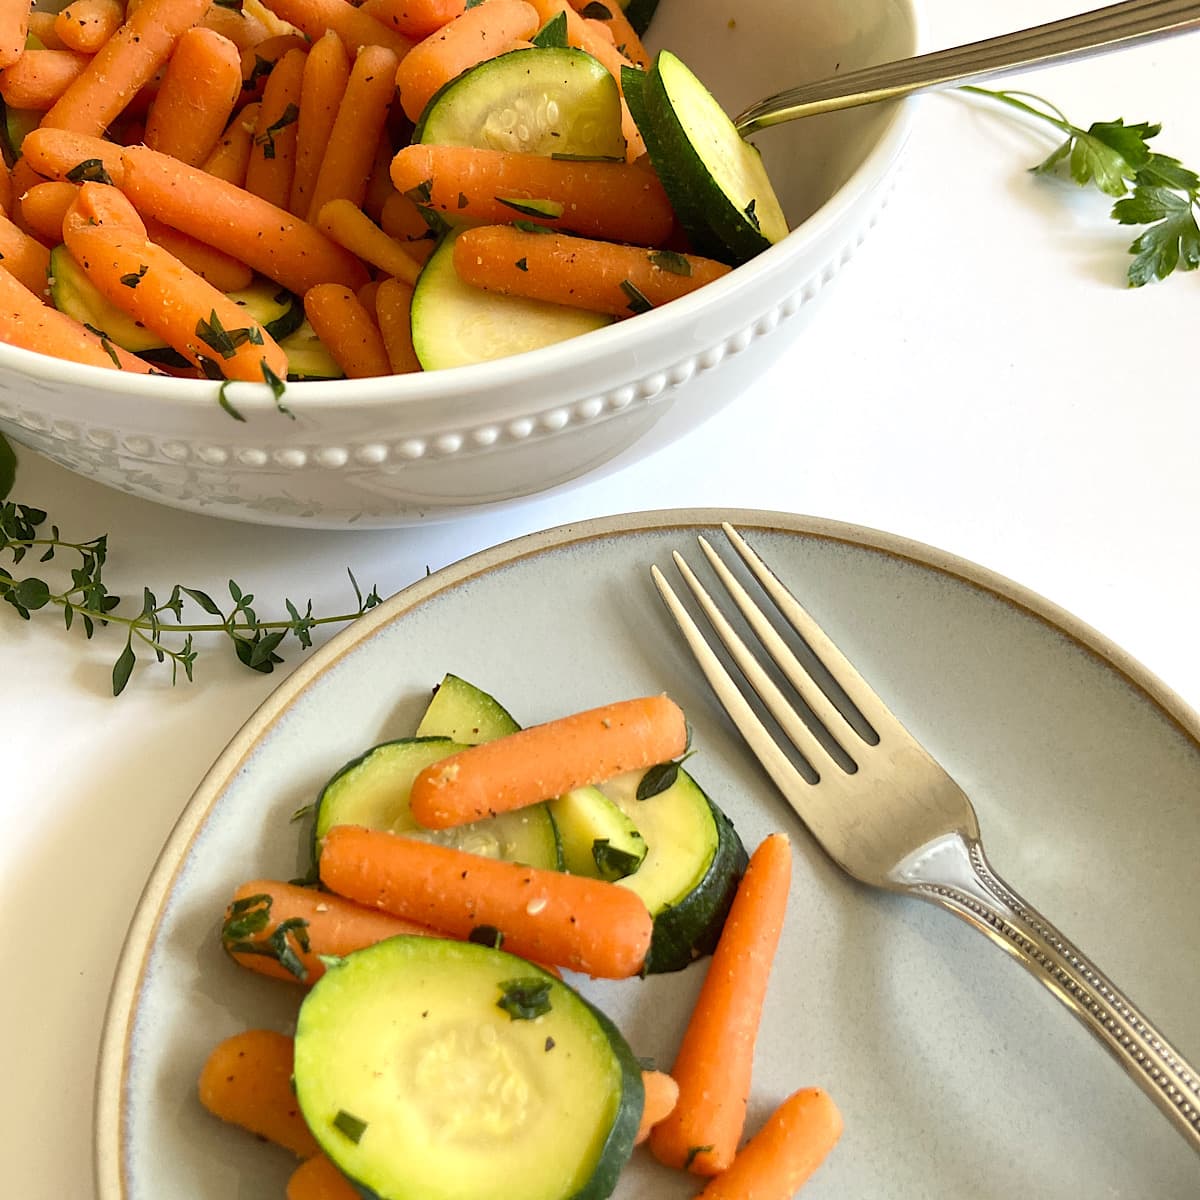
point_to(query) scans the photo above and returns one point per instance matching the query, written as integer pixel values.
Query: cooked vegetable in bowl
(418, 188)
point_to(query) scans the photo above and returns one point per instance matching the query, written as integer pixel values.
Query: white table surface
(979, 380)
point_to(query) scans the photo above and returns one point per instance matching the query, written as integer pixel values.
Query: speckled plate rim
(109, 1132)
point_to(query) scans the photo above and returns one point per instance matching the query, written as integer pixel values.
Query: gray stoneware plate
(958, 1075)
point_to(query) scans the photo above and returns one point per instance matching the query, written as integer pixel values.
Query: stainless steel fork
(892, 817)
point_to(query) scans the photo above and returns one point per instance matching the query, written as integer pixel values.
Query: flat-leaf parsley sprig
(155, 627)
(1152, 189)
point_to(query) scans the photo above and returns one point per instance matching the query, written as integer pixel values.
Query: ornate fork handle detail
(955, 874)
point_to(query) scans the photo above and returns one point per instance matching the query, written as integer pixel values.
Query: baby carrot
(662, 1093)
(62, 154)
(259, 61)
(14, 25)
(225, 273)
(715, 1059)
(247, 1081)
(318, 1179)
(357, 128)
(478, 33)
(780, 1158)
(28, 323)
(349, 226)
(326, 73)
(23, 257)
(43, 208)
(415, 19)
(622, 202)
(37, 79)
(402, 221)
(596, 276)
(231, 155)
(393, 311)
(314, 924)
(41, 26)
(242, 27)
(546, 760)
(85, 25)
(347, 329)
(200, 86)
(7, 201)
(623, 35)
(126, 63)
(273, 152)
(569, 920)
(265, 237)
(151, 285)
(355, 28)
(366, 297)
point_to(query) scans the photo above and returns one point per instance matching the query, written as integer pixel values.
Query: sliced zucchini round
(532, 101)
(277, 310)
(464, 713)
(308, 357)
(691, 870)
(73, 293)
(715, 180)
(430, 1069)
(599, 839)
(373, 791)
(454, 324)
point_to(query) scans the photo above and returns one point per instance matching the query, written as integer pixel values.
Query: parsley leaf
(1172, 239)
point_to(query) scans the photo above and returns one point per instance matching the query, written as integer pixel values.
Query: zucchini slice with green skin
(464, 713)
(373, 791)
(691, 870)
(430, 1069)
(598, 839)
(533, 101)
(454, 324)
(715, 179)
(308, 357)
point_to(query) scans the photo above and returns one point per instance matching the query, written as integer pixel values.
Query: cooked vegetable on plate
(444, 1045)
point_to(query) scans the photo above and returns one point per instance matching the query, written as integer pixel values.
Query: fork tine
(799, 733)
(843, 671)
(809, 690)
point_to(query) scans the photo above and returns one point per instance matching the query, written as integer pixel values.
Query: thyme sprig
(154, 627)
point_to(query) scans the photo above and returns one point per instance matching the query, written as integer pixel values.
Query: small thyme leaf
(525, 999)
(657, 779)
(91, 170)
(350, 1125)
(123, 668)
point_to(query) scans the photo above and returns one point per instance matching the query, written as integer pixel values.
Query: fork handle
(955, 874)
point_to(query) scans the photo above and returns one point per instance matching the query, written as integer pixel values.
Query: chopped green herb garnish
(550, 1044)
(223, 400)
(91, 170)
(262, 67)
(586, 157)
(486, 935)
(669, 260)
(691, 1155)
(235, 5)
(278, 387)
(595, 11)
(637, 302)
(216, 337)
(612, 862)
(266, 139)
(552, 35)
(135, 277)
(525, 999)
(349, 1125)
(531, 227)
(550, 209)
(422, 193)
(462, 200)
(438, 225)
(247, 916)
(751, 216)
(522, 264)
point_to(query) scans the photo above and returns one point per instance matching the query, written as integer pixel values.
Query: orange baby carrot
(347, 329)
(379, 179)
(21, 178)
(126, 63)
(366, 297)
(43, 208)
(478, 33)
(318, 1179)
(542, 761)
(326, 73)
(662, 1093)
(393, 311)
(201, 84)
(265, 237)
(716, 1056)
(273, 153)
(151, 285)
(569, 920)
(242, 28)
(580, 272)
(781, 1157)
(37, 79)
(23, 257)
(355, 28)
(402, 221)
(320, 923)
(14, 25)
(349, 226)
(61, 154)
(416, 19)
(7, 201)
(85, 25)
(223, 271)
(41, 26)
(247, 1081)
(259, 61)
(622, 202)
(357, 128)
(623, 35)
(28, 323)
(231, 155)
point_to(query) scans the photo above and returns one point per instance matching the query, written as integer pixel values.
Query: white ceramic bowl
(399, 450)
